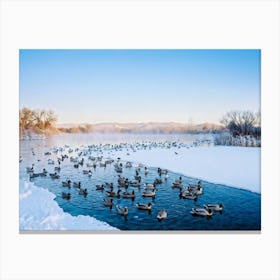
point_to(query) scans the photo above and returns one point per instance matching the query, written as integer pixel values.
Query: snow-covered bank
(39, 211)
(232, 166)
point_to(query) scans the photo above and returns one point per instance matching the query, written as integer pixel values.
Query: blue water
(242, 208)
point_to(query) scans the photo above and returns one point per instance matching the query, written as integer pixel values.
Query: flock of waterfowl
(124, 189)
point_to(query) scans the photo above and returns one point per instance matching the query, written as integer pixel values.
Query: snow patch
(228, 165)
(39, 211)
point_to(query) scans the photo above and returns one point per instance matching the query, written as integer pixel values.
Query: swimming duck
(149, 193)
(162, 215)
(122, 210)
(30, 169)
(188, 195)
(66, 183)
(197, 189)
(77, 184)
(108, 202)
(214, 207)
(66, 195)
(114, 194)
(100, 187)
(136, 184)
(57, 168)
(143, 206)
(54, 175)
(83, 192)
(151, 187)
(158, 181)
(176, 185)
(202, 212)
(128, 194)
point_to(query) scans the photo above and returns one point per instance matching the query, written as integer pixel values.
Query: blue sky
(92, 86)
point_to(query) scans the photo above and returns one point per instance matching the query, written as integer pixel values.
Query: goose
(100, 187)
(136, 184)
(122, 210)
(30, 169)
(197, 189)
(83, 192)
(149, 193)
(108, 202)
(34, 175)
(179, 181)
(128, 195)
(176, 185)
(188, 195)
(143, 206)
(162, 215)
(66, 195)
(201, 212)
(114, 194)
(77, 184)
(66, 183)
(214, 207)
(150, 187)
(54, 175)
(158, 181)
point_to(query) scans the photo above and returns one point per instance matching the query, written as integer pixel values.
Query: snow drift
(39, 211)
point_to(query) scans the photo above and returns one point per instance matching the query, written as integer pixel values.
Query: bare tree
(241, 123)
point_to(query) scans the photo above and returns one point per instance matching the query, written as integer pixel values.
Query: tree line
(243, 123)
(37, 121)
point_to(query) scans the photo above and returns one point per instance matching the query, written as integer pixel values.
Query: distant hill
(150, 127)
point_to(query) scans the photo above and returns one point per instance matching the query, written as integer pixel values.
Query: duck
(214, 207)
(146, 170)
(136, 183)
(30, 169)
(158, 181)
(77, 184)
(66, 183)
(197, 189)
(128, 194)
(108, 202)
(202, 212)
(66, 195)
(128, 164)
(177, 185)
(50, 161)
(100, 187)
(142, 206)
(162, 215)
(151, 187)
(87, 171)
(57, 168)
(113, 194)
(149, 193)
(54, 175)
(83, 192)
(122, 210)
(188, 195)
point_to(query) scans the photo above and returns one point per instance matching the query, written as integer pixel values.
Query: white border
(155, 24)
